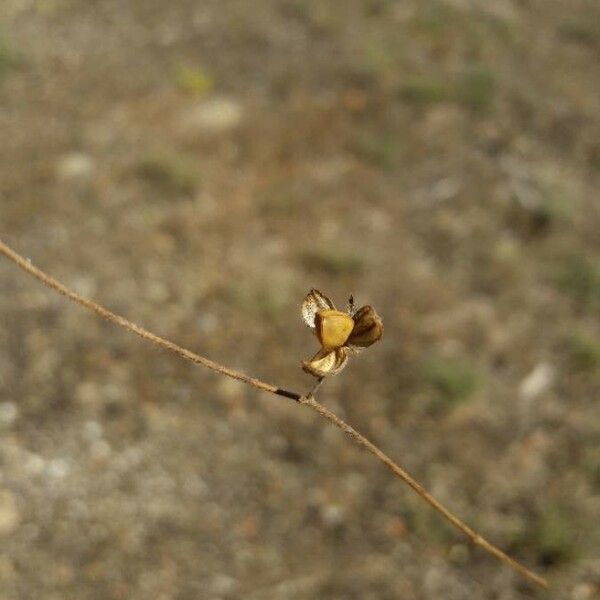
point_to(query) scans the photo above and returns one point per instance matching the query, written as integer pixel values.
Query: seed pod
(338, 332)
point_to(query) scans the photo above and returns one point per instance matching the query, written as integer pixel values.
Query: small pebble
(75, 165)
(332, 515)
(215, 115)
(8, 413)
(223, 584)
(92, 430)
(58, 468)
(584, 591)
(537, 382)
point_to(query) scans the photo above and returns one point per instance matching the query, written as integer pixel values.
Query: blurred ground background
(197, 166)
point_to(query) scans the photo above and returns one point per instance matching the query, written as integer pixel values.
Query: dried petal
(314, 302)
(368, 327)
(325, 363)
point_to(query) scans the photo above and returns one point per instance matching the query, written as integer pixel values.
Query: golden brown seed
(333, 328)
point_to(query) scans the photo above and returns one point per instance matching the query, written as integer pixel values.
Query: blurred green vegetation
(454, 379)
(593, 158)
(584, 352)
(172, 172)
(280, 199)
(582, 30)
(260, 298)
(332, 262)
(427, 526)
(555, 207)
(474, 89)
(591, 466)
(424, 90)
(194, 80)
(381, 150)
(554, 534)
(9, 58)
(579, 275)
(433, 16)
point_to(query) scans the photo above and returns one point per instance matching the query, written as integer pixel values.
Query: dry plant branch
(306, 400)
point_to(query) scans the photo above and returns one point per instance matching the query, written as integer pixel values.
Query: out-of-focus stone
(58, 468)
(230, 389)
(208, 323)
(584, 591)
(223, 584)
(92, 431)
(537, 382)
(75, 166)
(333, 515)
(157, 292)
(34, 464)
(214, 115)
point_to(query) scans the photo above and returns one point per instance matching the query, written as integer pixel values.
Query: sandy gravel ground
(198, 166)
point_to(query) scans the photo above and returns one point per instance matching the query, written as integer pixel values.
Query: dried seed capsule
(368, 327)
(325, 363)
(312, 303)
(338, 332)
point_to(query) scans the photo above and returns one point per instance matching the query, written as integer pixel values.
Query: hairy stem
(306, 400)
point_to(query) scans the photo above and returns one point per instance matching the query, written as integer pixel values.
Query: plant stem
(307, 400)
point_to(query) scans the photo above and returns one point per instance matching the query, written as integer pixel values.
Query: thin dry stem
(477, 539)
(144, 333)
(306, 400)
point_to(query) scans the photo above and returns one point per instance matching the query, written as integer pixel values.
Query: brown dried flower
(338, 332)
